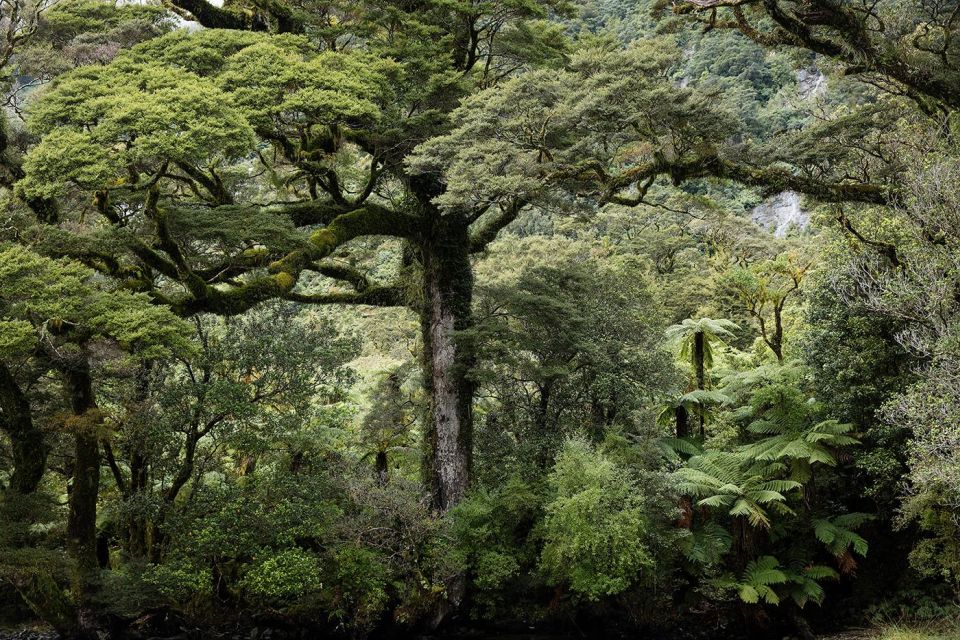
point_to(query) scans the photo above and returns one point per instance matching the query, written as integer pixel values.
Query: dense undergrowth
(377, 318)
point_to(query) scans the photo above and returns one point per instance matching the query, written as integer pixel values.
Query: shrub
(595, 527)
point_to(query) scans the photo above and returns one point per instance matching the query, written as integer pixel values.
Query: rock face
(810, 83)
(781, 214)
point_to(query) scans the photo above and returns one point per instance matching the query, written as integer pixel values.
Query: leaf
(748, 594)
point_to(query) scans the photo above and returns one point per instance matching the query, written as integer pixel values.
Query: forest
(480, 318)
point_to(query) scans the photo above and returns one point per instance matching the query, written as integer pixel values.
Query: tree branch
(487, 233)
(369, 220)
(770, 180)
(373, 296)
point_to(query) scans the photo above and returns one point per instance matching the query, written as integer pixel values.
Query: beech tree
(907, 48)
(52, 313)
(204, 186)
(223, 165)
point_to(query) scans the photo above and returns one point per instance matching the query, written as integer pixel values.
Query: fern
(801, 448)
(672, 448)
(713, 330)
(757, 581)
(706, 545)
(838, 535)
(725, 480)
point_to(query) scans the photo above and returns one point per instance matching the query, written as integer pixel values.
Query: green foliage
(805, 584)
(685, 335)
(168, 174)
(927, 409)
(277, 578)
(699, 402)
(838, 533)
(143, 118)
(765, 580)
(861, 364)
(595, 526)
(568, 342)
(361, 577)
(491, 531)
(706, 545)
(758, 579)
(62, 296)
(177, 581)
(812, 445)
(732, 482)
(514, 141)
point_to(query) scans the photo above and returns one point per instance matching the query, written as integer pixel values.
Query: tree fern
(696, 338)
(707, 544)
(803, 583)
(674, 449)
(722, 480)
(757, 581)
(714, 330)
(838, 535)
(803, 447)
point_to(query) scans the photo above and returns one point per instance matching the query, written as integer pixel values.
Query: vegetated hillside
(369, 318)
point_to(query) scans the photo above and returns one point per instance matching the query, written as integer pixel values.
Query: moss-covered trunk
(82, 514)
(447, 359)
(28, 447)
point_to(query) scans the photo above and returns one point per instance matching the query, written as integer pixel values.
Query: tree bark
(383, 467)
(699, 359)
(681, 418)
(29, 449)
(447, 359)
(682, 426)
(82, 514)
(777, 344)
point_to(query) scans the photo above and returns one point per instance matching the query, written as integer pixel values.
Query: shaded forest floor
(40, 633)
(886, 632)
(899, 632)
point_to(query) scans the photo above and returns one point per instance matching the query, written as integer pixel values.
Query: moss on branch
(373, 296)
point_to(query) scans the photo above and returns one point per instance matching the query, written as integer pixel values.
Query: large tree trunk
(82, 514)
(35, 585)
(29, 449)
(138, 525)
(447, 360)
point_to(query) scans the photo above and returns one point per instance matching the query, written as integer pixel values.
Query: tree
(29, 451)
(567, 342)
(595, 525)
(248, 385)
(749, 491)
(698, 403)
(341, 162)
(917, 58)
(695, 339)
(58, 310)
(386, 427)
(764, 289)
(179, 120)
